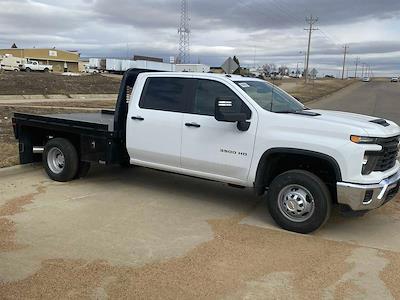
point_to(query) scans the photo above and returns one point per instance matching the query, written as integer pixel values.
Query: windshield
(270, 97)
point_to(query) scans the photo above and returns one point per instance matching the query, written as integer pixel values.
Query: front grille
(388, 156)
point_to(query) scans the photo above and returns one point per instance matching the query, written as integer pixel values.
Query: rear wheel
(299, 201)
(46, 70)
(60, 160)
(28, 70)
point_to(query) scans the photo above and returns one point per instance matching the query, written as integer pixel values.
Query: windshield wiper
(299, 112)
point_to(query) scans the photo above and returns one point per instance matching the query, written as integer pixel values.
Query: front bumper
(366, 197)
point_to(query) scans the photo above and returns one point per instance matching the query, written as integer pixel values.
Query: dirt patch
(220, 267)
(9, 154)
(391, 274)
(7, 236)
(48, 83)
(347, 290)
(391, 209)
(7, 227)
(318, 89)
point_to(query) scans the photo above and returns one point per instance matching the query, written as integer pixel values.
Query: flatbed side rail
(54, 123)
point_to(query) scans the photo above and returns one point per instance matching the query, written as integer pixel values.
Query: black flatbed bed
(97, 136)
(94, 121)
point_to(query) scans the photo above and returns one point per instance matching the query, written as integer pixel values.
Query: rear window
(166, 94)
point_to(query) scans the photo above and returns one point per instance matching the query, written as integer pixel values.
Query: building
(61, 60)
(196, 68)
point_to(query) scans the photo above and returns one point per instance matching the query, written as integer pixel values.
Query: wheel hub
(296, 203)
(55, 160)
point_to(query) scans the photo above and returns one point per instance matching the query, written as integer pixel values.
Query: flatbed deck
(100, 118)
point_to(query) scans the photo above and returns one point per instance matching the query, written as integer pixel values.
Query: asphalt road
(144, 234)
(376, 98)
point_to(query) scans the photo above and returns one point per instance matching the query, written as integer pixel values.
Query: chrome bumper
(366, 197)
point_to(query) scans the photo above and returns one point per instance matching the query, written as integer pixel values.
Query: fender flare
(262, 164)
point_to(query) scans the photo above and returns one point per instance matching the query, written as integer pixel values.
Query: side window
(207, 92)
(167, 94)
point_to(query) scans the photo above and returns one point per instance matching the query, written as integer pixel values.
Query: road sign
(229, 66)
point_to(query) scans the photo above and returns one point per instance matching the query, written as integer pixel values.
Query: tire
(83, 169)
(312, 208)
(46, 70)
(60, 160)
(28, 70)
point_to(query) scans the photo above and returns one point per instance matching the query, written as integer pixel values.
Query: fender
(259, 184)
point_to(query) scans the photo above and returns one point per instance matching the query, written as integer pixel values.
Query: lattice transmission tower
(184, 34)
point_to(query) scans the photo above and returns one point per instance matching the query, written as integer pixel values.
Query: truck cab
(241, 131)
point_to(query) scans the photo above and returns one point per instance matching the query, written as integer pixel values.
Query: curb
(19, 169)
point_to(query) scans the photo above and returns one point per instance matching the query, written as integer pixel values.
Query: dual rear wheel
(61, 161)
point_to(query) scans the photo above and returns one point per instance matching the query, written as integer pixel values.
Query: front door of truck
(154, 125)
(213, 149)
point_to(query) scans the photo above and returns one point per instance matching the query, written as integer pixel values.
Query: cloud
(259, 31)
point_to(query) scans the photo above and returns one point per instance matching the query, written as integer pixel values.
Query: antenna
(184, 34)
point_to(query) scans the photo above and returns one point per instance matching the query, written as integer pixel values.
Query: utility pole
(357, 62)
(363, 66)
(311, 21)
(344, 59)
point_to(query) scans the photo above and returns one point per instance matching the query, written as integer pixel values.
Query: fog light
(368, 197)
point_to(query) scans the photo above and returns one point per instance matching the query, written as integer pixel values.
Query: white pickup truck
(241, 131)
(34, 65)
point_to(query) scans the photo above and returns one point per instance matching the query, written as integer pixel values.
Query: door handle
(137, 118)
(195, 125)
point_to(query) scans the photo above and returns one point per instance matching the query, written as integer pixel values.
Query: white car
(394, 79)
(366, 79)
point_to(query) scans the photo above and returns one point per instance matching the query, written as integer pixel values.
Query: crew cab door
(216, 150)
(154, 122)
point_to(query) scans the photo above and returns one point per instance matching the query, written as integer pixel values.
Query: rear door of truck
(154, 121)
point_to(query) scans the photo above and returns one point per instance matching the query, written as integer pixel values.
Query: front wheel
(28, 70)
(60, 160)
(299, 201)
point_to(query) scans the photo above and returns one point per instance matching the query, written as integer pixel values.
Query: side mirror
(230, 110)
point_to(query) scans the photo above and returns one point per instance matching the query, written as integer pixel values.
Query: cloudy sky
(257, 31)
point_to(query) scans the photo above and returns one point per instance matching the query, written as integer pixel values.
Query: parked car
(91, 70)
(366, 79)
(394, 79)
(10, 63)
(241, 131)
(34, 65)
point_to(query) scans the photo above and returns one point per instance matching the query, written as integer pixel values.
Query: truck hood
(360, 122)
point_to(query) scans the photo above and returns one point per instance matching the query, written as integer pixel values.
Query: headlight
(363, 139)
